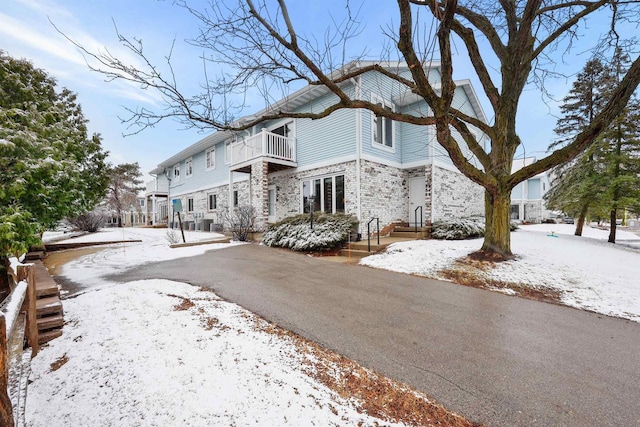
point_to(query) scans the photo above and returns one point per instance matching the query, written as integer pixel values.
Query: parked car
(568, 220)
(549, 221)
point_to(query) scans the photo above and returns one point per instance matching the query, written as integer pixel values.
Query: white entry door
(417, 195)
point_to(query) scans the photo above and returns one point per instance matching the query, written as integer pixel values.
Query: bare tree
(240, 221)
(124, 185)
(258, 46)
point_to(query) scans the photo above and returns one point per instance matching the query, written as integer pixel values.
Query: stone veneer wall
(259, 194)
(384, 190)
(288, 188)
(201, 200)
(453, 195)
(534, 211)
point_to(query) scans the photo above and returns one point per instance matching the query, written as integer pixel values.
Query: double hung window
(382, 128)
(210, 158)
(176, 172)
(188, 167)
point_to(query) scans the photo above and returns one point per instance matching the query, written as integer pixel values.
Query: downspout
(358, 95)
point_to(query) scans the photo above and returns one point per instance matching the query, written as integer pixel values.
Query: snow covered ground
(163, 353)
(91, 269)
(588, 272)
(142, 354)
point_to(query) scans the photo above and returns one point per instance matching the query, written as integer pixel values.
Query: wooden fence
(17, 324)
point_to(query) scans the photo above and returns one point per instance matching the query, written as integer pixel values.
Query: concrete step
(411, 229)
(409, 234)
(355, 253)
(48, 305)
(50, 322)
(49, 335)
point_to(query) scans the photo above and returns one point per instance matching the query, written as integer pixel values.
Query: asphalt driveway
(496, 359)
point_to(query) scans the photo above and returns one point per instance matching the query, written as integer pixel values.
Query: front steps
(48, 305)
(400, 233)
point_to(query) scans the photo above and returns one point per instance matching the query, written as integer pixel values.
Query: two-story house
(351, 161)
(527, 198)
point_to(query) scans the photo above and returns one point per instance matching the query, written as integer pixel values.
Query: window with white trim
(284, 130)
(212, 202)
(190, 204)
(210, 158)
(382, 128)
(323, 194)
(188, 167)
(176, 172)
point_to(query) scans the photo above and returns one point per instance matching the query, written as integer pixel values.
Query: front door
(417, 194)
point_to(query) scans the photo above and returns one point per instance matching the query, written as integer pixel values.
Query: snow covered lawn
(585, 272)
(91, 269)
(164, 353)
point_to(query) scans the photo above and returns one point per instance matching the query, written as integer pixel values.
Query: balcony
(157, 187)
(279, 151)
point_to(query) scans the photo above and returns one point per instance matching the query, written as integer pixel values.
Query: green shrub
(462, 228)
(458, 229)
(329, 231)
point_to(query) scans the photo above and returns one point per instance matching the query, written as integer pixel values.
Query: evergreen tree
(49, 169)
(606, 177)
(124, 186)
(620, 150)
(576, 186)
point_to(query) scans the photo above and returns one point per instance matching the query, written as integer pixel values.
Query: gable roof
(305, 95)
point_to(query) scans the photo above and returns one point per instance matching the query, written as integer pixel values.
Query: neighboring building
(527, 198)
(133, 216)
(351, 161)
(156, 195)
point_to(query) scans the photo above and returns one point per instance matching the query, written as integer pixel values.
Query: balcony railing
(157, 187)
(264, 144)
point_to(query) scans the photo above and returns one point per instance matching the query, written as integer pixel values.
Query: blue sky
(25, 32)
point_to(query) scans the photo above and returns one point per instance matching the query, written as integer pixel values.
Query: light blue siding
(416, 142)
(385, 88)
(201, 177)
(517, 192)
(534, 189)
(323, 139)
(416, 139)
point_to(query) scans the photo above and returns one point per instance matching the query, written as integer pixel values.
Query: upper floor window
(176, 172)
(284, 130)
(382, 128)
(210, 158)
(188, 167)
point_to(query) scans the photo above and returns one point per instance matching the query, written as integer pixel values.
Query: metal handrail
(415, 217)
(369, 232)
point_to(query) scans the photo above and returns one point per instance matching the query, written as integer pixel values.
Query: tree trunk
(612, 232)
(497, 236)
(581, 218)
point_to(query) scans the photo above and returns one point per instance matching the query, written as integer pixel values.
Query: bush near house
(461, 228)
(329, 231)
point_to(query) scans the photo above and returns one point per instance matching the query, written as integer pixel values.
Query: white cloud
(22, 32)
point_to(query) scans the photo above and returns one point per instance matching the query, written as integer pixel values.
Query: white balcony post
(264, 142)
